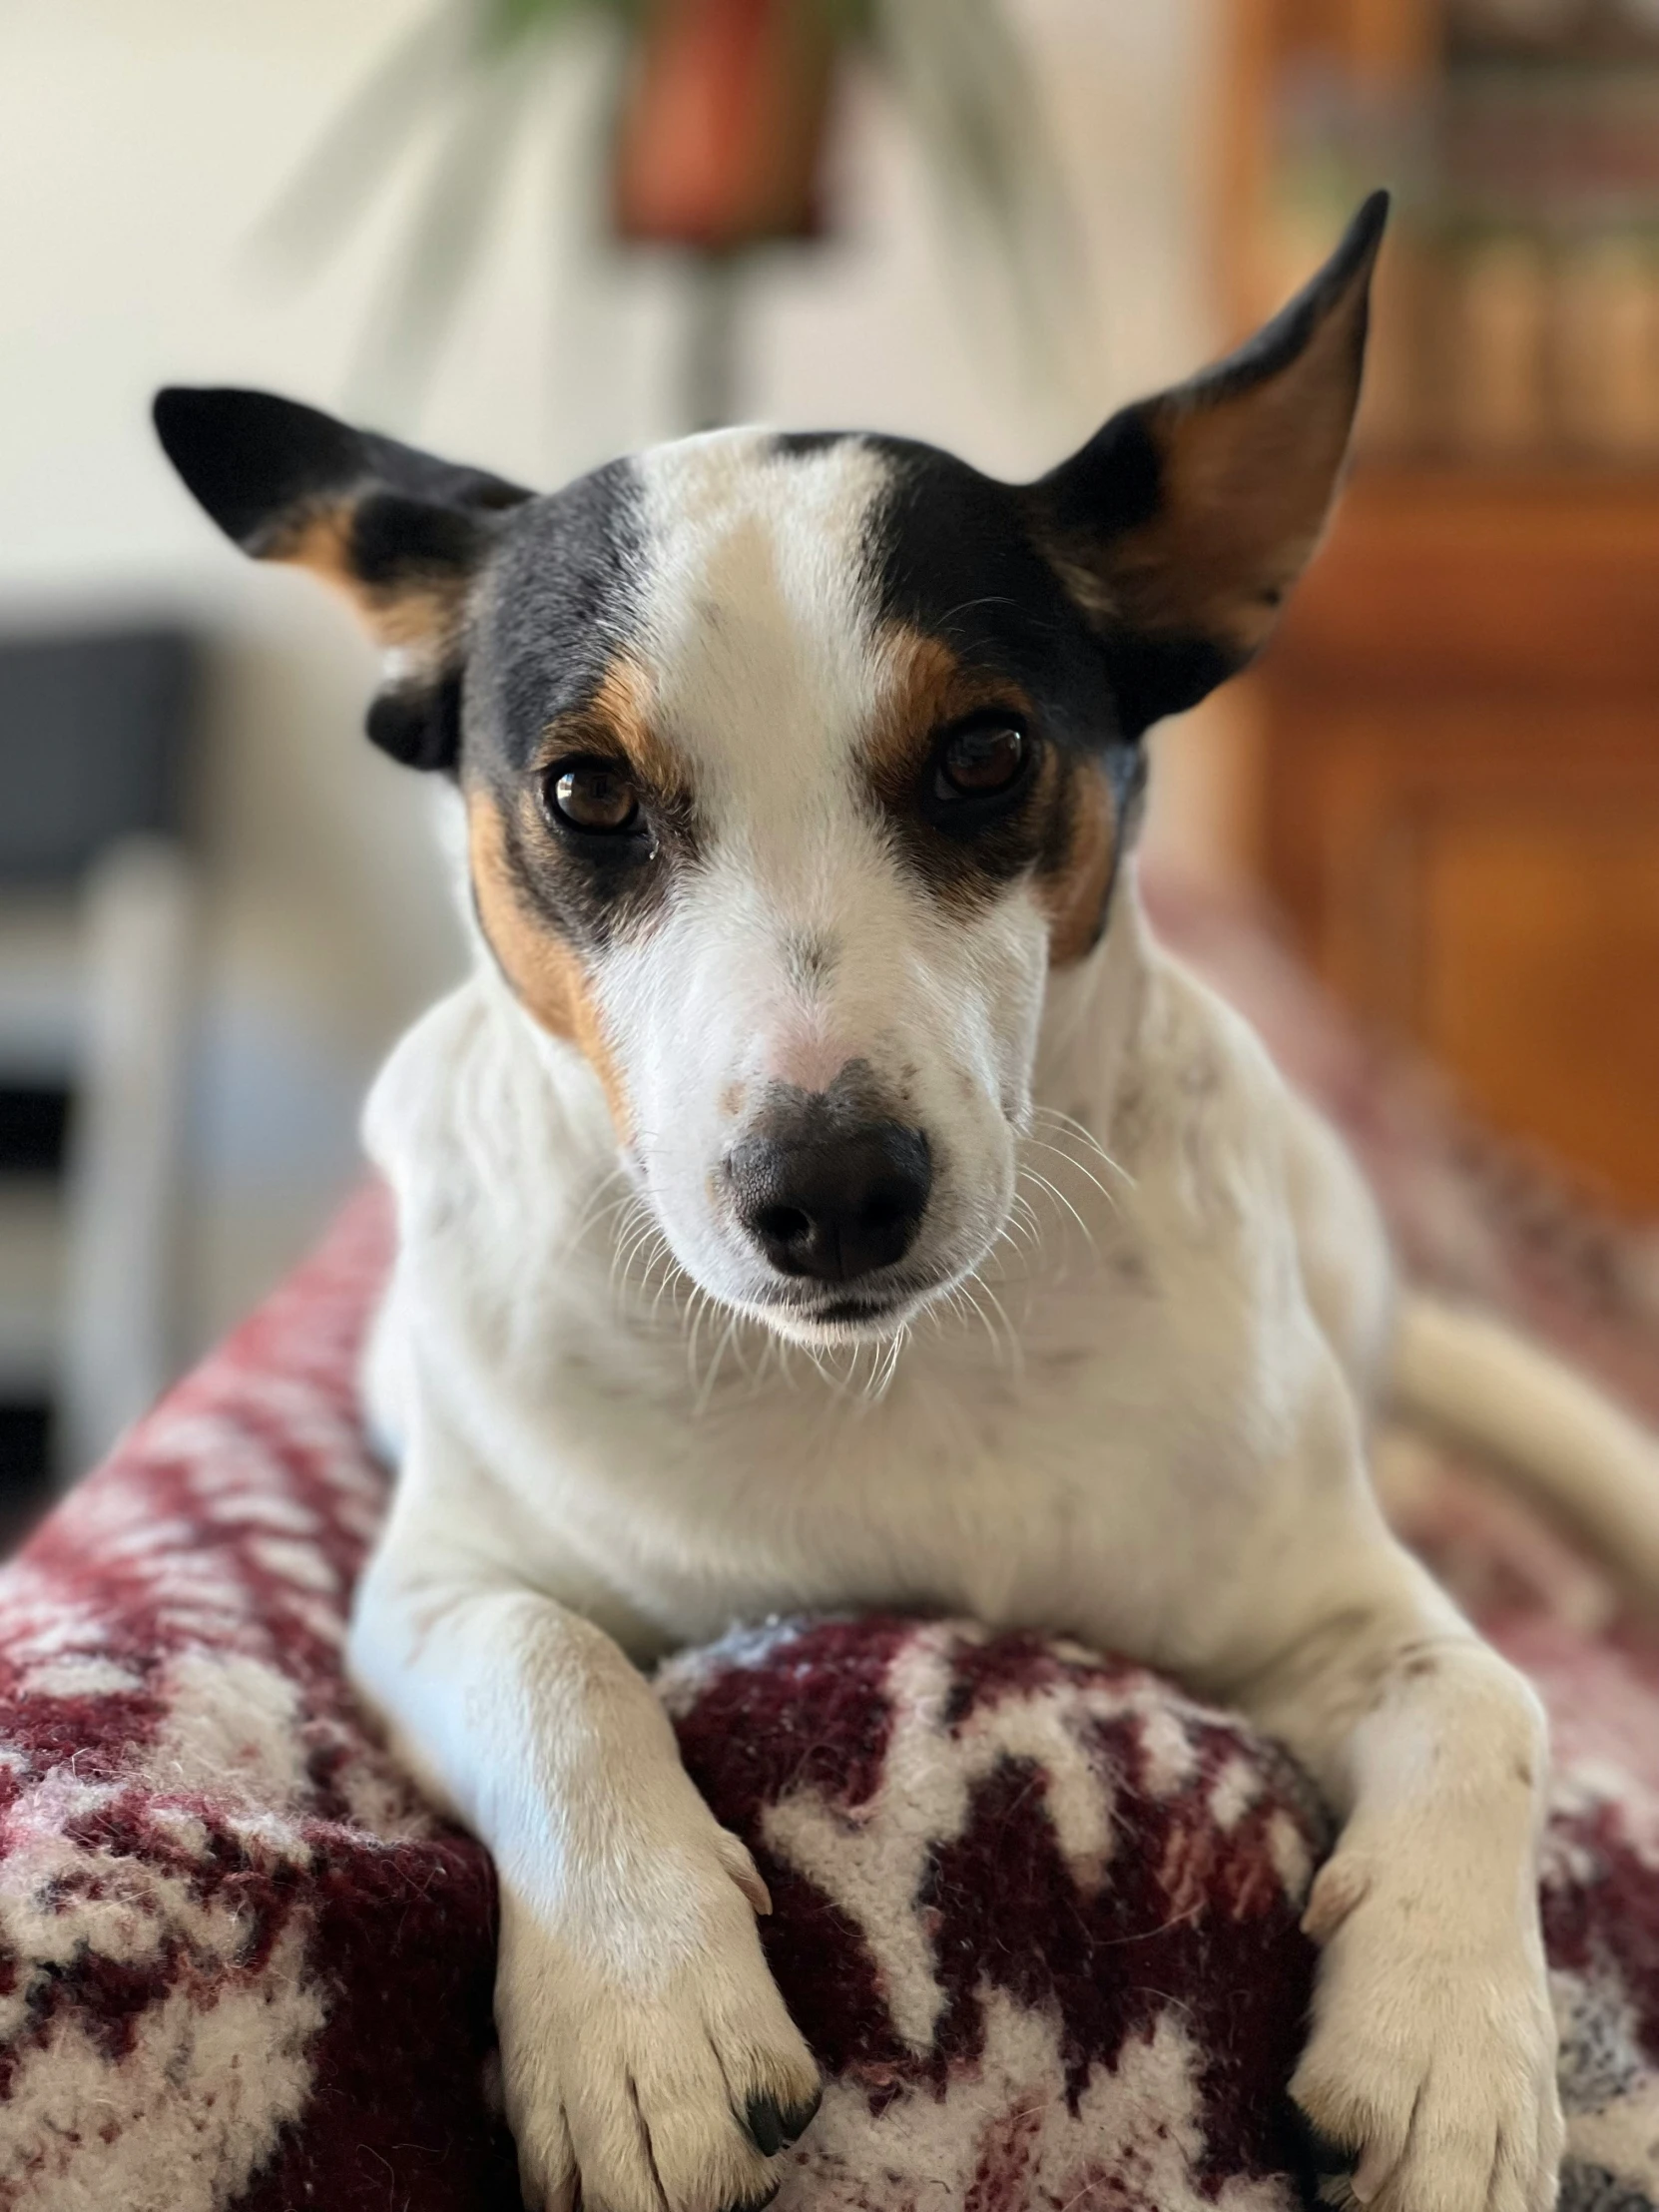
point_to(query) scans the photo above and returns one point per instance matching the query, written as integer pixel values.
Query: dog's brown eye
(592, 795)
(980, 761)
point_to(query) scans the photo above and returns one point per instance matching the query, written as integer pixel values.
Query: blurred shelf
(1457, 801)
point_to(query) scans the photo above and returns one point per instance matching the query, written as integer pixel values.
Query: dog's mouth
(845, 1313)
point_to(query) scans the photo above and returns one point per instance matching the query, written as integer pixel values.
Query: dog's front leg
(1432, 2060)
(646, 2052)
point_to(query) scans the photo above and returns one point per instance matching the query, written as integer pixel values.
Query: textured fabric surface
(1035, 1910)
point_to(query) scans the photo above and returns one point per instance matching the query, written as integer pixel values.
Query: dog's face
(782, 808)
(793, 765)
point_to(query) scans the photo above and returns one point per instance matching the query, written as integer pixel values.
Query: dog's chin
(824, 1314)
(851, 1318)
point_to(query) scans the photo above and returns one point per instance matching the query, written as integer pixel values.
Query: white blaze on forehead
(757, 624)
(801, 940)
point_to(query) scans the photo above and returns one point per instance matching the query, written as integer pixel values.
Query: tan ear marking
(545, 973)
(1183, 524)
(1248, 481)
(419, 614)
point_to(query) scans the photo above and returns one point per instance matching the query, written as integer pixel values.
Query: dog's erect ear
(1181, 525)
(401, 534)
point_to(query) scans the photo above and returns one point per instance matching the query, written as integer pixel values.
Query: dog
(815, 1029)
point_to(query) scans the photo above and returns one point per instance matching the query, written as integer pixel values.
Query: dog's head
(793, 764)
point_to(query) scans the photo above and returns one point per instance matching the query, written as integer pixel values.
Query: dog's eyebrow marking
(925, 687)
(622, 708)
(545, 973)
(1069, 838)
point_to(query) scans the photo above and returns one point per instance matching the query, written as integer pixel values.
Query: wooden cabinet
(1457, 803)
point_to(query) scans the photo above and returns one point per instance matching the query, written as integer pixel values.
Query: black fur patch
(560, 607)
(1155, 676)
(955, 557)
(1113, 483)
(420, 724)
(397, 540)
(254, 460)
(801, 445)
(259, 464)
(561, 601)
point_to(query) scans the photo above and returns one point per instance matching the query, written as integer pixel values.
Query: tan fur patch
(409, 616)
(624, 706)
(1075, 894)
(546, 975)
(620, 718)
(927, 686)
(930, 688)
(1248, 481)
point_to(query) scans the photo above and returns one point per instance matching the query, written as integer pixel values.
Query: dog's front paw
(647, 2061)
(1430, 2072)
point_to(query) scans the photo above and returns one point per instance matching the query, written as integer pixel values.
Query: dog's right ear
(1181, 525)
(400, 533)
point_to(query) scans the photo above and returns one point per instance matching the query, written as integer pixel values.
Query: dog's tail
(1569, 1448)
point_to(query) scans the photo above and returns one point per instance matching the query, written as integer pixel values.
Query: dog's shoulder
(1197, 1091)
(411, 1102)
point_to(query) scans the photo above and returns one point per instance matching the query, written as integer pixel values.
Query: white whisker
(1085, 1135)
(1060, 1199)
(1072, 1161)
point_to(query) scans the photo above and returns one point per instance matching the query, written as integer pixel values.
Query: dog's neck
(1092, 1014)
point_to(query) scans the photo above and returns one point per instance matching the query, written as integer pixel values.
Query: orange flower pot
(724, 116)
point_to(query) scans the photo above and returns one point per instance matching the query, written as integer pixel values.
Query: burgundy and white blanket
(1035, 1909)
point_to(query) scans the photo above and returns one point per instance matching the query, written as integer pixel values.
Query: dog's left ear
(401, 533)
(1181, 525)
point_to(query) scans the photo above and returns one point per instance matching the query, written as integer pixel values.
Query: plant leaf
(960, 71)
(357, 150)
(442, 248)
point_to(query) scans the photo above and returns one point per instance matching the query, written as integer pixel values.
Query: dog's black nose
(836, 1204)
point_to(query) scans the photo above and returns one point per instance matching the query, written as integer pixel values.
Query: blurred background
(532, 234)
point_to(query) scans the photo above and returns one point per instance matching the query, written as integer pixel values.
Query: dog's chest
(1059, 1487)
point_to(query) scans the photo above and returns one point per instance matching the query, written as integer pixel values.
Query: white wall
(141, 144)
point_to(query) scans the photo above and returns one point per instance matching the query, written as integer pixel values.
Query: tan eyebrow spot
(545, 974)
(927, 686)
(623, 711)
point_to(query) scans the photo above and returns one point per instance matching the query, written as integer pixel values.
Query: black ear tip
(249, 457)
(189, 417)
(177, 411)
(1365, 231)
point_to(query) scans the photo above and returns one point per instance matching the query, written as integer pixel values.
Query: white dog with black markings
(795, 778)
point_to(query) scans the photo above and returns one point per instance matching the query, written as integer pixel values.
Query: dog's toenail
(800, 2117)
(772, 2125)
(1326, 2165)
(765, 2126)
